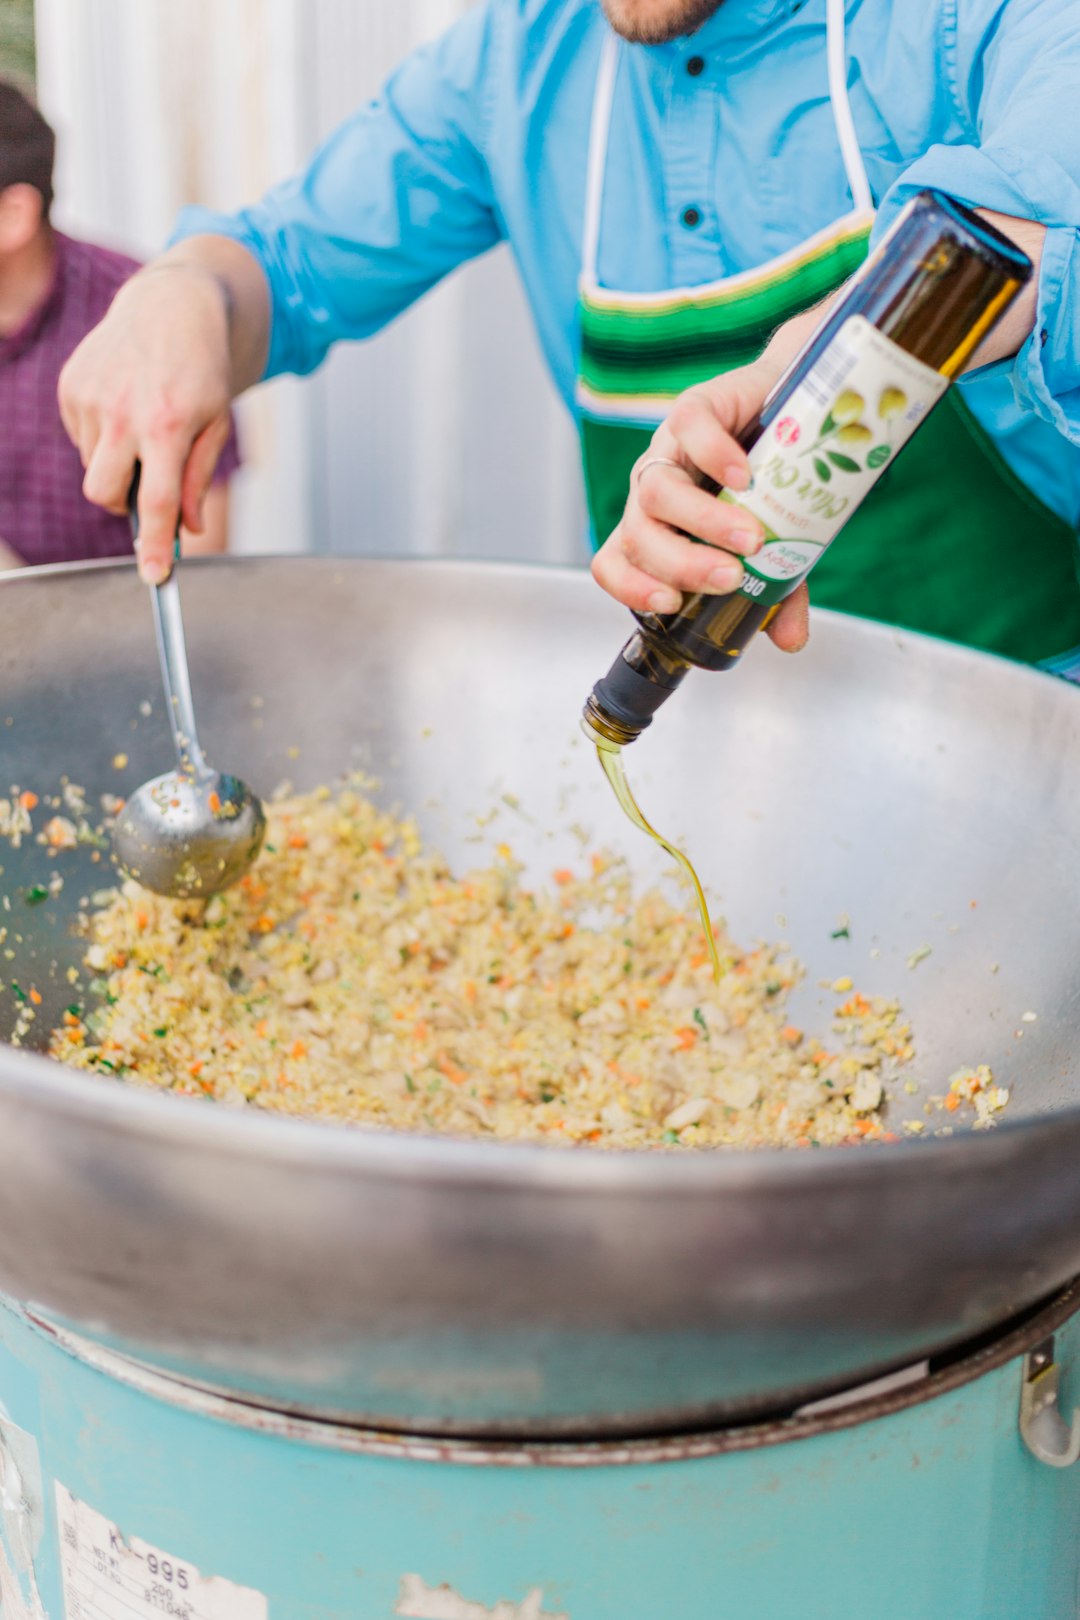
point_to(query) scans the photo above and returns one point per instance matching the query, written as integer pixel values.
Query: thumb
(790, 630)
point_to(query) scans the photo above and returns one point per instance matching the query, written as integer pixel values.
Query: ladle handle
(172, 655)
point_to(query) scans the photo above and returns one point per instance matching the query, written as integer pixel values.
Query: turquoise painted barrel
(125, 1494)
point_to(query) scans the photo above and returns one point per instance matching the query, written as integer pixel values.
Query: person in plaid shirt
(53, 290)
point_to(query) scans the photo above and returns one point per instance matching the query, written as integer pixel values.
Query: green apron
(949, 542)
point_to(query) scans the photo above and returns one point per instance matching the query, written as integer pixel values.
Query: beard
(658, 22)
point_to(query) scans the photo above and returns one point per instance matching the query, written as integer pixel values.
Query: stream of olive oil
(611, 763)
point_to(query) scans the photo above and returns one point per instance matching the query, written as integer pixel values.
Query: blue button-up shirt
(482, 136)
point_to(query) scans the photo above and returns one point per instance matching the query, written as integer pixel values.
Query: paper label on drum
(109, 1576)
(826, 448)
(22, 1519)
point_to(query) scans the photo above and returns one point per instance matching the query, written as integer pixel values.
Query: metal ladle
(193, 831)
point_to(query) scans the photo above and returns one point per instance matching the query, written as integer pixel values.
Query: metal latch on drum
(1045, 1432)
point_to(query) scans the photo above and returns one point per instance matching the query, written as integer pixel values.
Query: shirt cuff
(1046, 371)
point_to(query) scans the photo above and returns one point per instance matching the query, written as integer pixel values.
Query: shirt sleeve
(1014, 76)
(398, 196)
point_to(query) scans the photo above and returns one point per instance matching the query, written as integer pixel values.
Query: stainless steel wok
(931, 794)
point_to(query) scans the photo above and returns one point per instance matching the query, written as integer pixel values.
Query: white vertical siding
(443, 435)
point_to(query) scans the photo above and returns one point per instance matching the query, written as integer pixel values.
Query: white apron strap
(836, 50)
(854, 167)
(598, 143)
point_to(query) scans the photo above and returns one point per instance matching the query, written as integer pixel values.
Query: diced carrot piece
(28, 800)
(453, 1071)
(563, 875)
(685, 1039)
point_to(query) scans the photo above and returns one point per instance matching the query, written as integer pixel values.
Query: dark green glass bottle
(863, 385)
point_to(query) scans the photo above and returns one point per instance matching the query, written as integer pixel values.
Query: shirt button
(695, 66)
(691, 218)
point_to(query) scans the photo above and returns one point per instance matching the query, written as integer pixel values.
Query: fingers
(151, 383)
(702, 426)
(790, 630)
(159, 508)
(612, 569)
(199, 472)
(669, 496)
(110, 467)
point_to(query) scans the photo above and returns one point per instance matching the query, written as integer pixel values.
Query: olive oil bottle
(861, 387)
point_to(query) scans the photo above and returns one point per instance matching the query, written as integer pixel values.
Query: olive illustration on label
(849, 406)
(891, 403)
(854, 433)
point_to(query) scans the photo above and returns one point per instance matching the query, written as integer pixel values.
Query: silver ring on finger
(656, 461)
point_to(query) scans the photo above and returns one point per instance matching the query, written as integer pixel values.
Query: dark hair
(27, 144)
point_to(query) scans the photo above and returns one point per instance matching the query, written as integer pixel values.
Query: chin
(655, 22)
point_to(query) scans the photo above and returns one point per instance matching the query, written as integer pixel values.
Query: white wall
(441, 436)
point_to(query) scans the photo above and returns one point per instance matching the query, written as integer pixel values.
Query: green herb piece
(36, 894)
(671, 1138)
(410, 1084)
(19, 992)
(699, 1018)
(841, 933)
(162, 1032)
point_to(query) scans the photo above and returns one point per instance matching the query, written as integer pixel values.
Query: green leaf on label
(828, 425)
(845, 463)
(878, 456)
(822, 469)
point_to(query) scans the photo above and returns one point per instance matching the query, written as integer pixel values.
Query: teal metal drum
(950, 1494)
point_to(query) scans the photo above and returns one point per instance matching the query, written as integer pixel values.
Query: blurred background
(443, 436)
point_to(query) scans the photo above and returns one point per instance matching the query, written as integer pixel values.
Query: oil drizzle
(611, 762)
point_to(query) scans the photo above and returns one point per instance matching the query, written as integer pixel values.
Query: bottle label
(825, 449)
